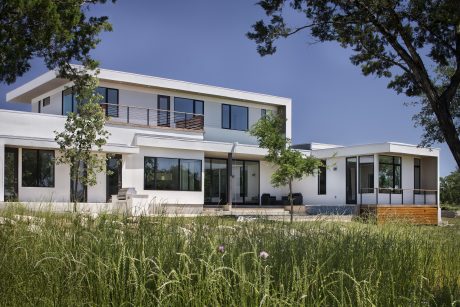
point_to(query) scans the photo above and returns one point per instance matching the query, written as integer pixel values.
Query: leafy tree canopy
(397, 39)
(57, 31)
(450, 189)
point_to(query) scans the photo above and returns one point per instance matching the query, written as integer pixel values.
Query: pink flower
(263, 255)
(221, 249)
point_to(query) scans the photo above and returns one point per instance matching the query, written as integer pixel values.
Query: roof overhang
(50, 81)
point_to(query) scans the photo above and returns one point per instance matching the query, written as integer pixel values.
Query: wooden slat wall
(426, 215)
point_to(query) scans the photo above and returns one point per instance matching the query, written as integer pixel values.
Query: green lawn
(66, 260)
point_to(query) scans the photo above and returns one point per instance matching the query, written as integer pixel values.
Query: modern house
(187, 145)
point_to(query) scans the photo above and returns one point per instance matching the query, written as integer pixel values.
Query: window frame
(385, 190)
(230, 106)
(46, 101)
(179, 168)
(371, 189)
(160, 111)
(106, 104)
(322, 190)
(38, 168)
(418, 168)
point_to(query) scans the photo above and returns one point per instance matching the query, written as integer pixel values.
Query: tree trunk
(448, 128)
(291, 201)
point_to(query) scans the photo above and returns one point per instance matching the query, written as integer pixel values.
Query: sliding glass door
(245, 182)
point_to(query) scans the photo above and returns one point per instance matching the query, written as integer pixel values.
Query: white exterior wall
(265, 182)
(133, 176)
(147, 98)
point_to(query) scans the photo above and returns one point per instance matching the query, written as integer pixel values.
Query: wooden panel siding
(417, 214)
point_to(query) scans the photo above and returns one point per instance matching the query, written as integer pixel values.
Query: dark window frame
(230, 117)
(161, 111)
(179, 183)
(370, 189)
(106, 103)
(418, 168)
(73, 97)
(38, 168)
(194, 105)
(386, 190)
(322, 179)
(46, 101)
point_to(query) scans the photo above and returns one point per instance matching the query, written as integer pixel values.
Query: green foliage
(427, 119)
(391, 38)
(290, 164)
(450, 189)
(67, 260)
(57, 31)
(83, 137)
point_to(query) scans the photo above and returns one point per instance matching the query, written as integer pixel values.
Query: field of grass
(65, 260)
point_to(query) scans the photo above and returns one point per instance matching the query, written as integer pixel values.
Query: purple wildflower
(221, 249)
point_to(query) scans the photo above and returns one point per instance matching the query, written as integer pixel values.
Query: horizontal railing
(133, 115)
(396, 196)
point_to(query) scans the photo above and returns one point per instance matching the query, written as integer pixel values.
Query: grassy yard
(74, 260)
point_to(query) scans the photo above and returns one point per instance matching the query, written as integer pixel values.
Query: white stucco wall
(133, 176)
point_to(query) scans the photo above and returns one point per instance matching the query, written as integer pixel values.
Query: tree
(290, 164)
(57, 31)
(395, 39)
(427, 120)
(80, 144)
(450, 189)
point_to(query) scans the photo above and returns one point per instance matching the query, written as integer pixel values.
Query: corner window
(366, 174)
(37, 168)
(322, 179)
(169, 174)
(389, 173)
(265, 112)
(234, 117)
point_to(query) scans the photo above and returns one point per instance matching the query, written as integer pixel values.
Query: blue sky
(204, 41)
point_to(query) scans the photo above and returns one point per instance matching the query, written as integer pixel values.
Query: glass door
(351, 182)
(114, 182)
(238, 182)
(11, 174)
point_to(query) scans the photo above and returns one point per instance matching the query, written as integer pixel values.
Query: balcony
(152, 118)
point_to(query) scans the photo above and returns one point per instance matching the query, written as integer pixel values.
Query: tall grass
(75, 260)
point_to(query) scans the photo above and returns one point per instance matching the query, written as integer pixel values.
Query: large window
(322, 179)
(37, 168)
(188, 113)
(109, 100)
(234, 117)
(389, 173)
(172, 174)
(366, 174)
(417, 175)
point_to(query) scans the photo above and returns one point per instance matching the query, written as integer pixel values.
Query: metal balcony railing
(398, 196)
(139, 116)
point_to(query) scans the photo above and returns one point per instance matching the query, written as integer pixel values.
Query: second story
(153, 104)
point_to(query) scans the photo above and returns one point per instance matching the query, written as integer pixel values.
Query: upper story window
(37, 168)
(265, 112)
(188, 113)
(235, 117)
(163, 114)
(46, 101)
(389, 172)
(322, 179)
(109, 100)
(69, 102)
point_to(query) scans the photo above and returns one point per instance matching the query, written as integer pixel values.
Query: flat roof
(50, 80)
